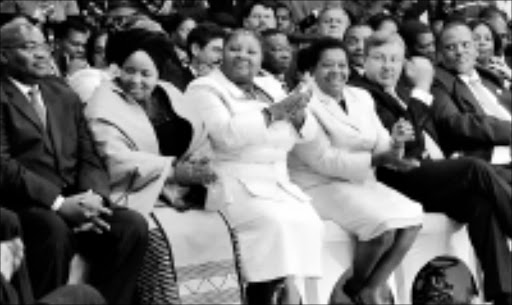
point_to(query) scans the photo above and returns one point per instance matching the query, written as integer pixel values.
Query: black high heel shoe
(352, 293)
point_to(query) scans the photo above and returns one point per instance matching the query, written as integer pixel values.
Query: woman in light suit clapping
(252, 126)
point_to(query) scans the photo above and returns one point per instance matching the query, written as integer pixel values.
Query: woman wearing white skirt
(252, 129)
(336, 170)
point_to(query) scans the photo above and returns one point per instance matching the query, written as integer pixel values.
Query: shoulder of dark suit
(58, 86)
(447, 79)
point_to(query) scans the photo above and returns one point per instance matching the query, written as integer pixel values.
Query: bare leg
(367, 255)
(404, 238)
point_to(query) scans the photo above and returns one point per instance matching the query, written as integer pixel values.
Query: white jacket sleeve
(123, 160)
(334, 162)
(228, 130)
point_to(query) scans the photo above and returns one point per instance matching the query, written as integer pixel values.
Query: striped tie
(37, 103)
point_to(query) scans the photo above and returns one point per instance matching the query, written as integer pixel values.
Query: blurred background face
(74, 44)
(242, 58)
(25, 53)
(458, 50)
(183, 30)
(426, 45)
(354, 43)
(384, 64)
(261, 18)
(333, 23)
(98, 56)
(331, 72)
(138, 76)
(117, 17)
(484, 43)
(211, 54)
(278, 53)
(284, 20)
(388, 27)
(500, 27)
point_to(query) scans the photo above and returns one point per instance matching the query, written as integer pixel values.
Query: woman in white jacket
(337, 170)
(251, 130)
(145, 134)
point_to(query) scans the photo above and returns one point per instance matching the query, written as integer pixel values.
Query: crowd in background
(120, 117)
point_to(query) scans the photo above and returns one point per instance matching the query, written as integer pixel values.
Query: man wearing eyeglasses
(53, 178)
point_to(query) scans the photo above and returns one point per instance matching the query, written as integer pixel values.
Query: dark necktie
(343, 105)
(38, 105)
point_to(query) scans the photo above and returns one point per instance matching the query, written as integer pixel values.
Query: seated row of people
(369, 158)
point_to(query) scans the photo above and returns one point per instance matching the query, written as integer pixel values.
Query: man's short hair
(379, 39)
(377, 20)
(279, 5)
(328, 8)
(450, 25)
(272, 32)
(203, 34)
(246, 12)
(71, 24)
(357, 25)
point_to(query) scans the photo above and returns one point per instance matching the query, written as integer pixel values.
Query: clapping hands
(292, 108)
(401, 133)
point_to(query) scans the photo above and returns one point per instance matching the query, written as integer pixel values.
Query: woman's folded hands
(393, 158)
(194, 171)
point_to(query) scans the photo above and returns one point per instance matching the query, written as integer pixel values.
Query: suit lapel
(466, 99)
(21, 103)
(330, 106)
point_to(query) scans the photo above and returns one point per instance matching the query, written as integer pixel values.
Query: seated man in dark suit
(466, 189)
(15, 286)
(54, 180)
(471, 106)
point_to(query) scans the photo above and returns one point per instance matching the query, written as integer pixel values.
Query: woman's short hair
(380, 38)
(495, 37)
(123, 44)
(310, 57)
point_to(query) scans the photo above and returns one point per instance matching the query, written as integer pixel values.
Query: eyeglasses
(31, 47)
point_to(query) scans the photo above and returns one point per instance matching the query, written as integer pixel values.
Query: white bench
(439, 236)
